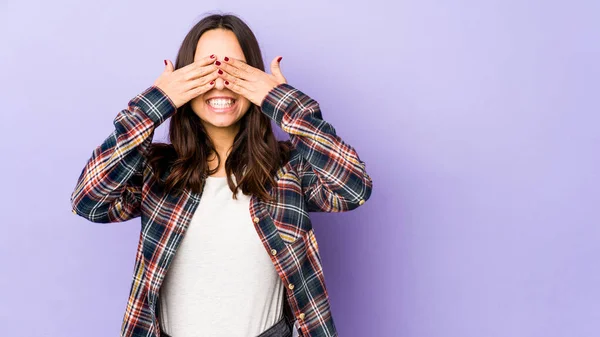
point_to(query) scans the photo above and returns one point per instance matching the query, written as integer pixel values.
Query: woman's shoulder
(291, 159)
(160, 157)
(162, 148)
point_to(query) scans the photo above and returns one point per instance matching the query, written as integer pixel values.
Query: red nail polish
(279, 59)
(165, 62)
(226, 83)
(218, 63)
(212, 56)
(220, 72)
(212, 82)
(226, 58)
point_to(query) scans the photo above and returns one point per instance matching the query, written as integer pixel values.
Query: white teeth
(220, 103)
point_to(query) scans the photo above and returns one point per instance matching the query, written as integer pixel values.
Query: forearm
(341, 176)
(108, 188)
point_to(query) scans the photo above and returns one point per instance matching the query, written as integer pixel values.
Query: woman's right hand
(185, 83)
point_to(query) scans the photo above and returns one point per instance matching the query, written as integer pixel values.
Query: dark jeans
(283, 328)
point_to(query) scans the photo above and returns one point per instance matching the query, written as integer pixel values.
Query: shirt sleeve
(334, 178)
(109, 188)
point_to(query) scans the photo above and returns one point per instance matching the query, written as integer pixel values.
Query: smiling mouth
(221, 103)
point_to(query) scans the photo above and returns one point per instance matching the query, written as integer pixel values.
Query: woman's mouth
(221, 104)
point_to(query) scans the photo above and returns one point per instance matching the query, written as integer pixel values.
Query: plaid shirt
(324, 174)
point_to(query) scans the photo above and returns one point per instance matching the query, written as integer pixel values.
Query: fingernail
(212, 56)
(226, 58)
(220, 72)
(226, 83)
(218, 63)
(279, 59)
(165, 62)
(212, 82)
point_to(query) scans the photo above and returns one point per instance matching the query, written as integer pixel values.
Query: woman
(230, 199)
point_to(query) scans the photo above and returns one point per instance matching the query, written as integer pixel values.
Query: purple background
(478, 121)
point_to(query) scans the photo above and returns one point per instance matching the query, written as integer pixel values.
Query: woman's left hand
(250, 82)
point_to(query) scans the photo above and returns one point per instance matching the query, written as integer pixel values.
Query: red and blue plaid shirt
(324, 174)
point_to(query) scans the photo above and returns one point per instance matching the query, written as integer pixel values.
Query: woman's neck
(222, 139)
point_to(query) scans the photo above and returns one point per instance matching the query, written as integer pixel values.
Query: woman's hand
(187, 82)
(250, 82)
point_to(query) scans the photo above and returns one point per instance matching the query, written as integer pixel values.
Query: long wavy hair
(256, 153)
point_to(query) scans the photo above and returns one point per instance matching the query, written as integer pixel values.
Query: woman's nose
(219, 83)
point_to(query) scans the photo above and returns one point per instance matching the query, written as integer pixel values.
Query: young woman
(226, 245)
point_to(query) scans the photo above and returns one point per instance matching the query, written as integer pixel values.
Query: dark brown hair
(183, 163)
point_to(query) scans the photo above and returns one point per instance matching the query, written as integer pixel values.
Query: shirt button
(362, 201)
(273, 252)
(301, 316)
(291, 286)
(256, 219)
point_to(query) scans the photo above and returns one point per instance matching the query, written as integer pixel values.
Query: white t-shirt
(221, 281)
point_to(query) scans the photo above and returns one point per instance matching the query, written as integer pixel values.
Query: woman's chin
(221, 121)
